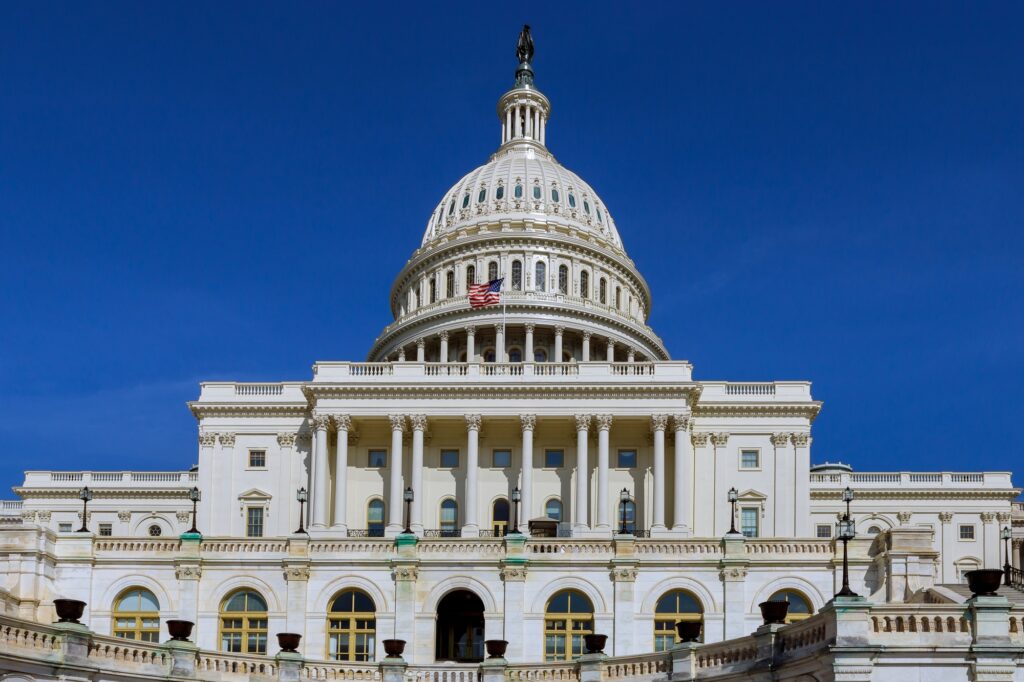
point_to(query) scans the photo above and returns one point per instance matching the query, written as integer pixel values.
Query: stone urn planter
(394, 647)
(496, 648)
(594, 644)
(689, 630)
(69, 610)
(984, 582)
(289, 642)
(774, 612)
(180, 629)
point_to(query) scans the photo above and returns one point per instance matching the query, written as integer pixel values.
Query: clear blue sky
(200, 191)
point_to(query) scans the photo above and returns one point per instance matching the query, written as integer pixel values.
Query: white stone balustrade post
(321, 422)
(419, 426)
(659, 422)
(581, 503)
(443, 355)
(395, 503)
(342, 424)
(682, 487)
(529, 423)
(604, 425)
(471, 522)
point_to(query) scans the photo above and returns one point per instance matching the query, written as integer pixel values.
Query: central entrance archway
(460, 628)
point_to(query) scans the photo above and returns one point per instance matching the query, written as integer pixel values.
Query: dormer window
(519, 191)
(536, 192)
(599, 216)
(451, 207)
(465, 200)
(482, 197)
(572, 200)
(586, 206)
(554, 194)
(499, 193)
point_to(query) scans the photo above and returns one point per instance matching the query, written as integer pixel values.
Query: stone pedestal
(733, 572)
(392, 669)
(853, 654)
(591, 667)
(684, 662)
(74, 642)
(289, 666)
(493, 670)
(183, 658)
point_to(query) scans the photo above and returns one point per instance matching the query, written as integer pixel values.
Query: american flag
(481, 295)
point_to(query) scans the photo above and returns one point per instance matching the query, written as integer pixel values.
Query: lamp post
(302, 496)
(195, 496)
(733, 496)
(84, 495)
(407, 496)
(846, 533)
(517, 495)
(1006, 534)
(624, 498)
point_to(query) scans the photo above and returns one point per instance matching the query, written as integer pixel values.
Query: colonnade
(581, 519)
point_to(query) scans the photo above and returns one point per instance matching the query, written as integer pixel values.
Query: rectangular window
(966, 532)
(627, 459)
(254, 522)
(554, 459)
(64, 528)
(750, 459)
(106, 529)
(502, 459)
(257, 459)
(749, 517)
(824, 530)
(377, 459)
(449, 459)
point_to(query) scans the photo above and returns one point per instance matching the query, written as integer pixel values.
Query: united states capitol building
(532, 471)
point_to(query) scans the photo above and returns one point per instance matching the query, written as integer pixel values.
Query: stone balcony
(128, 480)
(995, 480)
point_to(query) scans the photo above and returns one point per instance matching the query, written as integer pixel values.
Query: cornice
(808, 410)
(908, 494)
(200, 409)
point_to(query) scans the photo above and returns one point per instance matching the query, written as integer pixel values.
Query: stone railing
(911, 479)
(244, 545)
(135, 545)
(110, 479)
(641, 668)
(543, 672)
(469, 372)
(797, 548)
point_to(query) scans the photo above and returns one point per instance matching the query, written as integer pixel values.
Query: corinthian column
(682, 486)
(320, 424)
(528, 354)
(471, 527)
(580, 508)
(529, 422)
(558, 344)
(802, 499)
(785, 502)
(604, 425)
(658, 425)
(586, 347)
(342, 423)
(470, 343)
(443, 354)
(419, 425)
(395, 475)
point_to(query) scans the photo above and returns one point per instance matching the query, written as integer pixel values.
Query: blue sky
(200, 191)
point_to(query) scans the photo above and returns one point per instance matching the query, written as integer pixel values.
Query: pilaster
(733, 573)
(405, 572)
(188, 570)
(296, 575)
(624, 574)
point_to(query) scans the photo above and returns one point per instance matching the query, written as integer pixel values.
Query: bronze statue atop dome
(524, 48)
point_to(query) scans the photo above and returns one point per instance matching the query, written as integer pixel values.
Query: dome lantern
(524, 110)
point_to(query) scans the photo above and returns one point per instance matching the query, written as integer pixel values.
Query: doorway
(460, 628)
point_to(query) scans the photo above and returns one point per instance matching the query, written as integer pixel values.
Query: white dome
(548, 193)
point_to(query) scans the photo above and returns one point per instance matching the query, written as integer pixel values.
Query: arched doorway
(460, 628)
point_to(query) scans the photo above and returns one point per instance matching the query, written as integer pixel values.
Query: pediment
(752, 495)
(254, 494)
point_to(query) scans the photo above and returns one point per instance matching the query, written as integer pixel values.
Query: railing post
(493, 670)
(684, 662)
(392, 669)
(591, 667)
(289, 666)
(184, 657)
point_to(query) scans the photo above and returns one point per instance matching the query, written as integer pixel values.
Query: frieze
(733, 574)
(624, 574)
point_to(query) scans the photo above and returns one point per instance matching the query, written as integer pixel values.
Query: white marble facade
(564, 395)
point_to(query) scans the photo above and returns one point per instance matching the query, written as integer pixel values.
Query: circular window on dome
(572, 200)
(499, 193)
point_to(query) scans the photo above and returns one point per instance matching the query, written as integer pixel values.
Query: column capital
(473, 422)
(443, 334)
(470, 329)
(559, 329)
(528, 421)
(299, 572)
(659, 422)
(611, 342)
(342, 422)
(286, 439)
(397, 422)
(987, 517)
(321, 422)
(700, 438)
(587, 335)
(720, 440)
(1003, 517)
(604, 422)
(207, 440)
(780, 440)
(945, 517)
(421, 342)
(227, 439)
(418, 421)
(681, 422)
(904, 517)
(582, 422)
(529, 328)
(801, 440)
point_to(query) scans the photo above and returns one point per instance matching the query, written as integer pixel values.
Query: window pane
(449, 459)
(553, 510)
(749, 459)
(377, 458)
(502, 459)
(375, 511)
(147, 601)
(748, 522)
(627, 459)
(553, 459)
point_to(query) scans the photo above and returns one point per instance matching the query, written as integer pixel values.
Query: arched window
(572, 200)
(585, 284)
(351, 627)
(433, 290)
(568, 617)
(517, 275)
(499, 193)
(419, 298)
(671, 608)
(540, 276)
(540, 355)
(492, 271)
(451, 206)
(375, 518)
(599, 216)
(243, 623)
(518, 192)
(480, 198)
(586, 207)
(449, 284)
(618, 297)
(449, 518)
(874, 530)
(627, 517)
(500, 517)
(799, 605)
(563, 279)
(465, 200)
(553, 509)
(137, 616)
(515, 354)
(488, 355)
(554, 194)
(602, 291)
(470, 276)
(537, 194)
